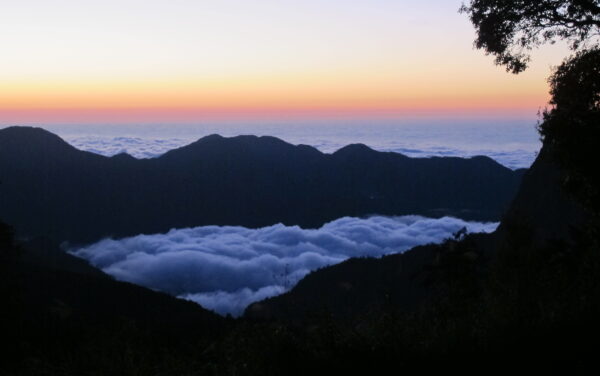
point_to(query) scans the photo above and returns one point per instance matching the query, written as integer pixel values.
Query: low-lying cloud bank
(138, 147)
(513, 155)
(225, 268)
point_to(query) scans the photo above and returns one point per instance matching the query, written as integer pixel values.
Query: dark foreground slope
(527, 296)
(359, 287)
(50, 188)
(62, 316)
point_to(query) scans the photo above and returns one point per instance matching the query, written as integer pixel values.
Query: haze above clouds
(514, 154)
(225, 268)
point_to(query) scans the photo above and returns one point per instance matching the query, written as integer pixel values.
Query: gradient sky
(186, 60)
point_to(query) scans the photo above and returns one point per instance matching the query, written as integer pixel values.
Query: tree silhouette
(571, 127)
(508, 29)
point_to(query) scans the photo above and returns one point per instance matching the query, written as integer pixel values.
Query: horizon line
(195, 115)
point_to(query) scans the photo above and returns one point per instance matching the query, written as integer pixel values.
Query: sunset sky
(185, 60)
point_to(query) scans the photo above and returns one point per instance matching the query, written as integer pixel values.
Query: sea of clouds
(512, 156)
(513, 144)
(138, 147)
(226, 268)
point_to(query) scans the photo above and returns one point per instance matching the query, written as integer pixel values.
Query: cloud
(513, 158)
(225, 268)
(138, 147)
(513, 155)
(233, 302)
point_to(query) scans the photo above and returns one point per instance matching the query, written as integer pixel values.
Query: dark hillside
(52, 189)
(60, 316)
(542, 215)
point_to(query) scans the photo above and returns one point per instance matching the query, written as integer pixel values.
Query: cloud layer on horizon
(138, 147)
(225, 268)
(512, 156)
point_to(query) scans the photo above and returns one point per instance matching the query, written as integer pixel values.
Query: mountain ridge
(541, 215)
(29, 131)
(250, 181)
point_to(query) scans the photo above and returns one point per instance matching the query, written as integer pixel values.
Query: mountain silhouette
(541, 210)
(52, 189)
(56, 305)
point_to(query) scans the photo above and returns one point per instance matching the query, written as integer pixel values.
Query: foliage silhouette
(571, 127)
(507, 29)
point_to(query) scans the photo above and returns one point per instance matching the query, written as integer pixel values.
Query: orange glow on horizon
(283, 97)
(191, 115)
(94, 63)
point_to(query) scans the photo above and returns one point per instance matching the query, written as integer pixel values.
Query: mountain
(49, 188)
(541, 215)
(58, 311)
(353, 288)
(86, 293)
(359, 287)
(526, 296)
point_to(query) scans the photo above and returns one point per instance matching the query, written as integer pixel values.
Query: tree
(508, 29)
(570, 129)
(557, 283)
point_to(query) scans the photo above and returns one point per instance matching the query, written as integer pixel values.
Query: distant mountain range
(50, 188)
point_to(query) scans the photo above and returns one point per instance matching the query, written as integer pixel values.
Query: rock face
(49, 188)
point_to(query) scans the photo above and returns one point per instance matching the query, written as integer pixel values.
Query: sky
(180, 61)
